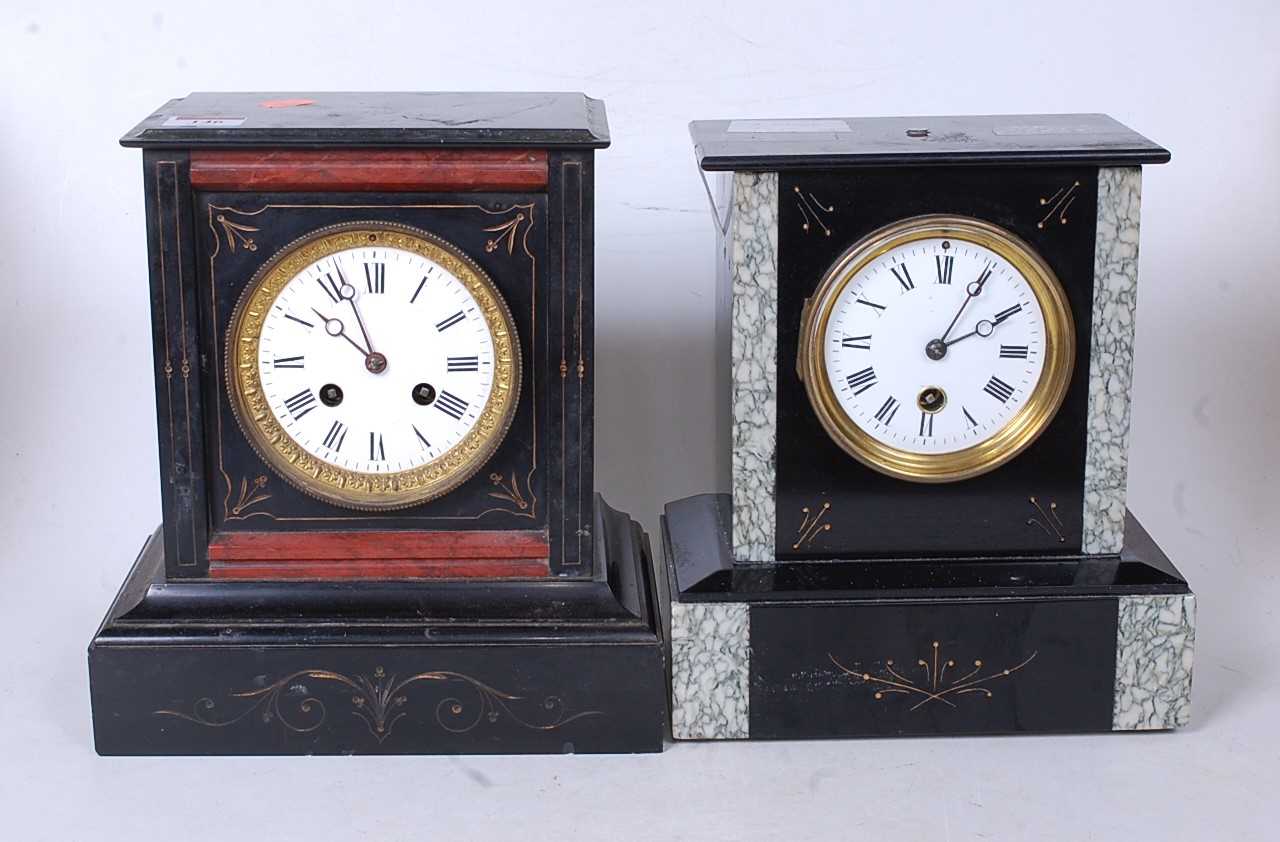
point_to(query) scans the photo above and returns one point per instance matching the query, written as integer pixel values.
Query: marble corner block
(710, 671)
(753, 266)
(1155, 647)
(1115, 292)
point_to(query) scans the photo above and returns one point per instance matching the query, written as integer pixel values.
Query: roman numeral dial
(1014, 352)
(375, 278)
(934, 336)
(301, 404)
(451, 405)
(945, 263)
(887, 410)
(904, 277)
(355, 375)
(336, 436)
(998, 389)
(861, 381)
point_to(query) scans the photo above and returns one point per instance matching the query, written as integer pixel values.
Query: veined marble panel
(1115, 292)
(753, 264)
(710, 671)
(1155, 645)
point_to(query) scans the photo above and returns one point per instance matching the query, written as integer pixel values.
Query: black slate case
(933, 608)
(188, 664)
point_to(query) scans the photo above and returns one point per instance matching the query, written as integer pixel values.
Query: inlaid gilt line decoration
(812, 209)
(1058, 204)
(380, 701)
(182, 445)
(935, 687)
(237, 233)
(811, 526)
(1048, 519)
(504, 234)
(506, 489)
(250, 496)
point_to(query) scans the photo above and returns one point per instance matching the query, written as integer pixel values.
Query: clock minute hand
(348, 294)
(972, 291)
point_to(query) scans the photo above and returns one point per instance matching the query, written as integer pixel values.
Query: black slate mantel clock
(927, 337)
(372, 317)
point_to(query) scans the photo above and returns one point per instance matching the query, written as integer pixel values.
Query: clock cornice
(980, 140)
(302, 120)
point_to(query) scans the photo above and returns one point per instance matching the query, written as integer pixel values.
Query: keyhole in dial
(931, 399)
(424, 394)
(330, 394)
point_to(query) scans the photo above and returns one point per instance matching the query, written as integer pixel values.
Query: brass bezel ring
(314, 476)
(1019, 432)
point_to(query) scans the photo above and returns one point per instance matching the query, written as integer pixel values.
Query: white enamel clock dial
(944, 348)
(328, 321)
(375, 366)
(877, 355)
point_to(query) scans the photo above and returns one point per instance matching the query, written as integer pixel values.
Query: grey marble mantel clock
(927, 332)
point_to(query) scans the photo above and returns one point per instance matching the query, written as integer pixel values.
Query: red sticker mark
(286, 103)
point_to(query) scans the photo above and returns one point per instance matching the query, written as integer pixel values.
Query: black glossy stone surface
(901, 647)
(932, 668)
(769, 145)
(375, 119)
(701, 565)
(408, 667)
(877, 516)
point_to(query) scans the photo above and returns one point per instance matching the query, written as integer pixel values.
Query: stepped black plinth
(921, 646)
(402, 667)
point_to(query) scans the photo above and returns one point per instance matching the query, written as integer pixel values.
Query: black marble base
(456, 667)
(920, 646)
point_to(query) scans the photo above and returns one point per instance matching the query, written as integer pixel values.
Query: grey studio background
(78, 469)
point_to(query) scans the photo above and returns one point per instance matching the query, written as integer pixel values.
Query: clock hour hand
(984, 329)
(334, 327)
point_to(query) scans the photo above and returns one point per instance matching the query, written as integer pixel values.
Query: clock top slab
(773, 145)
(550, 120)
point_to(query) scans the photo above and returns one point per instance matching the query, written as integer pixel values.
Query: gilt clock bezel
(330, 483)
(1011, 439)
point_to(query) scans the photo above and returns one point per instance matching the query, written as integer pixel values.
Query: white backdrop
(78, 474)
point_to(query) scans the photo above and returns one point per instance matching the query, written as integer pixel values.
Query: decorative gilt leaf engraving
(380, 701)
(505, 234)
(508, 490)
(935, 687)
(250, 495)
(811, 210)
(1058, 204)
(1048, 520)
(237, 234)
(811, 526)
